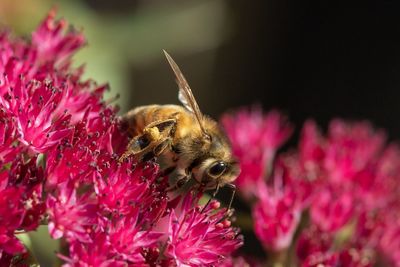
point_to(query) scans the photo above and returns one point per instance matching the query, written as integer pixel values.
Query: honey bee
(189, 146)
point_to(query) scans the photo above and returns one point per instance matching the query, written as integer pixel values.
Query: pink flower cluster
(339, 191)
(59, 150)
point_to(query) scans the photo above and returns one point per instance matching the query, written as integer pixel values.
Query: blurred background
(307, 58)
(315, 59)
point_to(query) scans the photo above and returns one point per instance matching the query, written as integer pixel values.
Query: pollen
(153, 133)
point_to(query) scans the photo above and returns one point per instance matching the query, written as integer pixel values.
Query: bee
(188, 145)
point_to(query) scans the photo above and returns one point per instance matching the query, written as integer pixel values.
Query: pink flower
(311, 241)
(32, 88)
(53, 44)
(8, 136)
(21, 206)
(128, 238)
(86, 153)
(125, 188)
(71, 215)
(255, 139)
(96, 253)
(198, 237)
(354, 257)
(11, 215)
(351, 257)
(346, 180)
(369, 229)
(390, 240)
(351, 147)
(39, 91)
(312, 149)
(378, 185)
(60, 145)
(276, 216)
(332, 208)
(83, 100)
(36, 126)
(30, 177)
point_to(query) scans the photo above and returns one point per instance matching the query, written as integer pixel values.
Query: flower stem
(277, 258)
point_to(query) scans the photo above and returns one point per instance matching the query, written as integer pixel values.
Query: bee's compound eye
(217, 169)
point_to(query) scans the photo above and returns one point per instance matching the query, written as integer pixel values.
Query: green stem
(277, 258)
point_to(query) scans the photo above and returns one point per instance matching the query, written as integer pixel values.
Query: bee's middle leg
(179, 183)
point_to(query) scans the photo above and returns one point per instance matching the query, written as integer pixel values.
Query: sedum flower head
(339, 191)
(255, 139)
(276, 217)
(200, 236)
(60, 145)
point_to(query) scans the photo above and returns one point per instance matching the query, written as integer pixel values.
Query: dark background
(306, 58)
(320, 59)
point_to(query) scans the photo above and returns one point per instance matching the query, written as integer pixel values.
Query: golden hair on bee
(187, 144)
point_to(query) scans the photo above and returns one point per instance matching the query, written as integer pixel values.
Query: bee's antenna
(229, 211)
(233, 187)
(211, 198)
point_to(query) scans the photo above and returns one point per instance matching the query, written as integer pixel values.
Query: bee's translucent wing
(183, 99)
(185, 94)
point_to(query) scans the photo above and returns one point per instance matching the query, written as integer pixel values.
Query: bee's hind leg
(156, 137)
(157, 150)
(165, 128)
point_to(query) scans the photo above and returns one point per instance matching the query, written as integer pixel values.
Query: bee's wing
(185, 94)
(183, 99)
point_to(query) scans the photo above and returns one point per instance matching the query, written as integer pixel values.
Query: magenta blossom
(8, 136)
(389, 242)
(37, 128)
(85, 154)
(200, 236)
(313, 241)
(339, 191)
(128, 241)
(349, 258)
(71, 215)
(30, 177)
(21, 205)
(350, 149)
(119, 195)
(332, 208)
(11, 215)
(276, 216)
(60, 145)
(255, 139)
(96, 253)
(53, 44)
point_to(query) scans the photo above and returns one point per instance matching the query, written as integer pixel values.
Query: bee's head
(216, 165)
